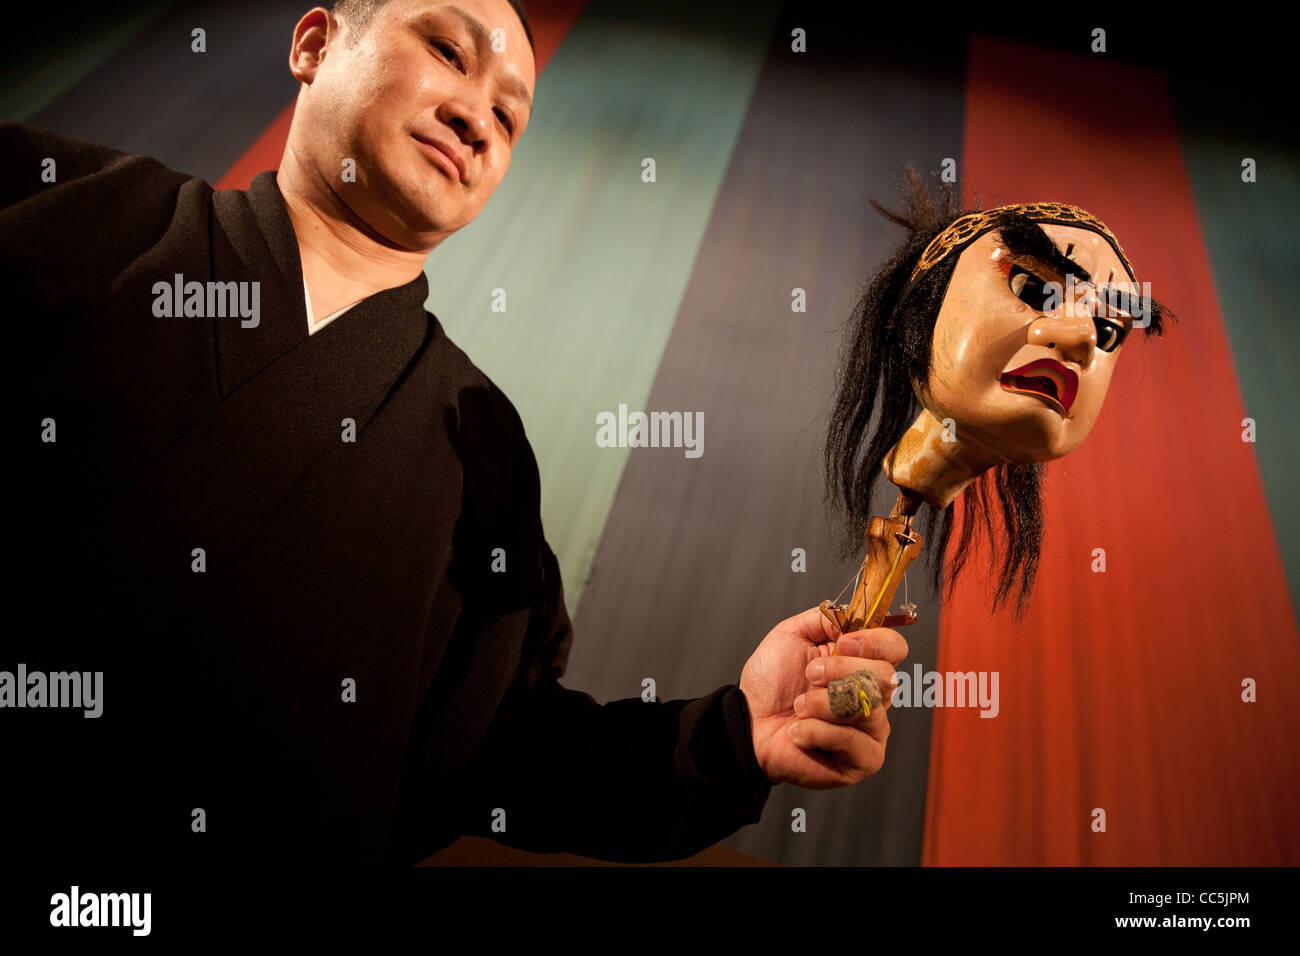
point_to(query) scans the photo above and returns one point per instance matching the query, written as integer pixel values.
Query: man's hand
(786, 696)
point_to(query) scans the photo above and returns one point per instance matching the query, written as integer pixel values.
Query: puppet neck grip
(932, 462)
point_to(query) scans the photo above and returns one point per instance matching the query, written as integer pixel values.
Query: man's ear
(315, 33)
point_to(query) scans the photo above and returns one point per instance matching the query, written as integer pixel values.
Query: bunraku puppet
(982, 349)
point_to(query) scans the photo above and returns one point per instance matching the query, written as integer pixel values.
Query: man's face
(1019, 373)
(423, 80)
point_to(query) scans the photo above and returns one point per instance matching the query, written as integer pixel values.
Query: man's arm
(630, 781)
(25, 152)
(74, 215)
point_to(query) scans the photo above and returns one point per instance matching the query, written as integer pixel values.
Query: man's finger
(812, 625)
(881, 643)
(859, 749)
(833, 668)
(816, 702)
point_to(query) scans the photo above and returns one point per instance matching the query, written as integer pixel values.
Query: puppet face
(1021, 373)
(420, 74)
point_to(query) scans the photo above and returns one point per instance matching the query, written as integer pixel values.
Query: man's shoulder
(21, 141)
(35, 160)
(478, 397)
(503, 482)
(76, 217)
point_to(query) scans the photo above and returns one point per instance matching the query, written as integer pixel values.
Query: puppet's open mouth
(1045, 378)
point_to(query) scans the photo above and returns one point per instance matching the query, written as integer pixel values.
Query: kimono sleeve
(76, 216)
(629, 781)
(33, 159)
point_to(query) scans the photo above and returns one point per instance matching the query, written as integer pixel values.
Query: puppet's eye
(1109, 335)
(1028, 288)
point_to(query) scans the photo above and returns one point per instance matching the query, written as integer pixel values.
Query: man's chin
(414, 208)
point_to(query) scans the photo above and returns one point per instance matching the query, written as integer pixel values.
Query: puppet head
(988, 339)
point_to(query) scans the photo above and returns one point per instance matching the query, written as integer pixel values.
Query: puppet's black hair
(886, 349)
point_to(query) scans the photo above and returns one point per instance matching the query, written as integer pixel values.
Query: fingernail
(816, 670)
(799, 703)
(793, 730)
(851, 646)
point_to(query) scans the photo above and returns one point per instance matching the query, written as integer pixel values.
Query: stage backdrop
(1120, 693)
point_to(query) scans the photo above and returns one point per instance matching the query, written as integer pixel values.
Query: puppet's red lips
(1046, 378)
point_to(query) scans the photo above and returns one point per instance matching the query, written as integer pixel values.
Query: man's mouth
(1046, 378)
(443, 156)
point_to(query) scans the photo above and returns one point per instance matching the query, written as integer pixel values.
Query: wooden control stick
(929, 464)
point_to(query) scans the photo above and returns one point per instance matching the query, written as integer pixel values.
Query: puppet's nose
(1071, 332)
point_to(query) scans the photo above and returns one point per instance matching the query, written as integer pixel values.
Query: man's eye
(1028, 288)
(505, 121)
(1109, 335)
(449, 51)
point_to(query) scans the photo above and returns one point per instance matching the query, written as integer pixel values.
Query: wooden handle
(892, 545)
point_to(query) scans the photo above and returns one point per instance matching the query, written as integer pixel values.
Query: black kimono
(309, 647)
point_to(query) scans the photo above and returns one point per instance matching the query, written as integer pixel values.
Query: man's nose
(471, 122)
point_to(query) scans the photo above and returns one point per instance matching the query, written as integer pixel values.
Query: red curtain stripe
(1121, 691)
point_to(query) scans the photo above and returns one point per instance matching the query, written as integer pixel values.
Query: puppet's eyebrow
(1029, 239)
(1124, 301)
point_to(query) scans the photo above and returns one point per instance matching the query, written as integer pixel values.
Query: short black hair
(358, 13)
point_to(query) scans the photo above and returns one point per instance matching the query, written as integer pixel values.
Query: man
(298, 531)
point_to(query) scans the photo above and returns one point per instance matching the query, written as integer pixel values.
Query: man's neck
(342, 262)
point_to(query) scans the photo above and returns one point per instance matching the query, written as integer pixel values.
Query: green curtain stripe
(594, 262)
(1247, 229)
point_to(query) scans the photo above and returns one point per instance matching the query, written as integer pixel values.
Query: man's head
(357, 13)
(427, 98)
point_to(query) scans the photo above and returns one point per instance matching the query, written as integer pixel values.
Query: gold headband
(970, 226)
